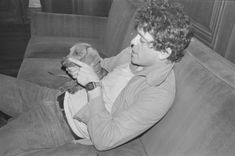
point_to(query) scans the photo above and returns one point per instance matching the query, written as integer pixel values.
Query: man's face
(143, 53)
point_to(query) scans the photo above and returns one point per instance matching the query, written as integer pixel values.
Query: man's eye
(76, 53)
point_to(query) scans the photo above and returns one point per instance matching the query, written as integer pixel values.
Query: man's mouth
(133, 52)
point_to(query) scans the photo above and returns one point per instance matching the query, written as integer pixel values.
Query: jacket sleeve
(110, 130)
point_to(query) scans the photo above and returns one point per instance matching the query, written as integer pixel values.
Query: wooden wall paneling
(225, 29)
(206, 16)
(10, 11)
(230, 52)
(46, 5)
(57, 6)
(91, 7)
(62, 6)
(24, 7)
(4, 5)
(82, 7)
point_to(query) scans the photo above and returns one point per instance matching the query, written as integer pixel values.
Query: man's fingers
(72, 69)
(77, 62)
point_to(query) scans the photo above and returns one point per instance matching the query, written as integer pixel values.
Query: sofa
(201, 121)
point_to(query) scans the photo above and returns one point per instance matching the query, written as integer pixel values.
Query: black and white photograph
(117, 77)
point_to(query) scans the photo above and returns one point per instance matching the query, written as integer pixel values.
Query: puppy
(85, 53)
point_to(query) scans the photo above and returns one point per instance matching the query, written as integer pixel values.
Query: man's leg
(18, 96)
(40, 128)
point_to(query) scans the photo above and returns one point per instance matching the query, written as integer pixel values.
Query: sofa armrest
(54, 24)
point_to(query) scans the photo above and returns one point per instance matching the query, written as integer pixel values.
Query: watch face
(90, 86)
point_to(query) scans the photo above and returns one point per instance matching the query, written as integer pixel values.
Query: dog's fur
(85, 53)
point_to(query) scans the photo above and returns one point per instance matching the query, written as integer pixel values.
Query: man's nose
(134, 41)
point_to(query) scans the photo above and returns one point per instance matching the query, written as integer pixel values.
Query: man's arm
(108, 131)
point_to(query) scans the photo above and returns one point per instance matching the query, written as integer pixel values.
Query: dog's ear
(92, 56)
(78, 47)
(79, 51)
(84, 52)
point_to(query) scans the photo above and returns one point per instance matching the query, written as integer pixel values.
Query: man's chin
(134, 63)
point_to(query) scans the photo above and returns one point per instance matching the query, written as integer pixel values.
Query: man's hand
(82, 72)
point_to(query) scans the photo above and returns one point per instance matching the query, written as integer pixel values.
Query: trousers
(37, 122)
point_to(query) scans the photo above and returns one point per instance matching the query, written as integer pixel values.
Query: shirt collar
(156, 74)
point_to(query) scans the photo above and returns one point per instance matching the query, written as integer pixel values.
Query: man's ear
(165, 54)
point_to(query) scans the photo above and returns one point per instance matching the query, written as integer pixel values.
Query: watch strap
(92, 85)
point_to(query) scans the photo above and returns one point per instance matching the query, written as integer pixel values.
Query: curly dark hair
(168, 25)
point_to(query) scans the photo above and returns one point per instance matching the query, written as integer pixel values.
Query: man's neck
(136, 68)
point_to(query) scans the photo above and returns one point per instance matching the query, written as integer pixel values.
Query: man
(163, 32)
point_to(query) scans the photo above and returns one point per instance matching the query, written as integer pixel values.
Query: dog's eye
(76, 53)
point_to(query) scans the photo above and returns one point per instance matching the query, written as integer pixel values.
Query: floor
(13, 42)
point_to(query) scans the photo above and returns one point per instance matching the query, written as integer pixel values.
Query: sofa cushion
(134, 148)
(56, 47)
(64, 150)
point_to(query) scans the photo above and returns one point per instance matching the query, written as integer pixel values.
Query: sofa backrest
(120, 25)
(202, 119)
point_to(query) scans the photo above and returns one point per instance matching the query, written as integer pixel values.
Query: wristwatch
(92, 85)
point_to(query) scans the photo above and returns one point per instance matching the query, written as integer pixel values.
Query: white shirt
(114, 82)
